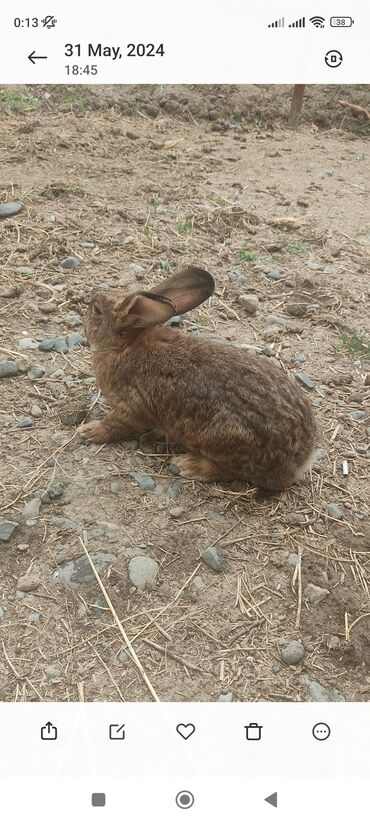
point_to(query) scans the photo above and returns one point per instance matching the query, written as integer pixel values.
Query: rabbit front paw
(92, 432)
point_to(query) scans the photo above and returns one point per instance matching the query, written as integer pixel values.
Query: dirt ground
(153, 178)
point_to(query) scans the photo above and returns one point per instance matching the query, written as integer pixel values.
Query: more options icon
(321, 731)
(49, 731)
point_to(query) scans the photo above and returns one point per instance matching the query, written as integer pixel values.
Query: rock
(293, 653)
(34, 618)
(60, 345)
(296, 309)
(214, 558)
(273, 275)
(10, 209)
(177, 512)
(356, 415)
(299, 357)
(65, 522)
(334, 511)
(130, 445)
(304, 379)
(225, 696)
(60, 287)
(174, 469)
(216, 516)
(318, 693)
(46, 345)
(55, 489)
(175, 321)
(142, 570)
(53, 672)
(36, 411)
(143, 480)
(199, 584)
(49, 218)
(8, 368)
(314, 594)
(75, 340)
(79, 570)
(35, 373)
(57, 373)
(295, 518)
(7, 527)
(268, 352)
(87, 245)
(73, 318)
(25, 422)
(27, 344)
(249, 302)
(31, 509)
(99, 606)
(28, 583)
(116, 487)
(274, 319)
(174, 491)
(292, 560)
(70, 262)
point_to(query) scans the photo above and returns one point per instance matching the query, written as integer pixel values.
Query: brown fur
(239, 416)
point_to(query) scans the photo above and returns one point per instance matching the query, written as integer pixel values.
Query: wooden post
(296, 106)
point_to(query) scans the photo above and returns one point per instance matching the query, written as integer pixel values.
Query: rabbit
(238, 415)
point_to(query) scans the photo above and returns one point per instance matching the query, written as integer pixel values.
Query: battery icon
(341, 22)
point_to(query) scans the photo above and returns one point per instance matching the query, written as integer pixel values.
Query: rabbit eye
(97, 311)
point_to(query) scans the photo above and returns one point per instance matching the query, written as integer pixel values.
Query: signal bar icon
(278, 24)
(299, 24)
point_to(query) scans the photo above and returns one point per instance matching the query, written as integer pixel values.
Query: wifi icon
(318, 22)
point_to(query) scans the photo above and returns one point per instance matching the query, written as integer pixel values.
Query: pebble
(295, 518)
(98, 606)
(27, 344)
(53, 671)
(70, 262)
(214, 558)
(46, 345)
(199, 584)
(292, 560)
(55, 489)
(356, 415)
(10, 209)
(177, 512)
(79, 570)
(249, 302)
(28, 583)
(36, 411)
(227, 696)
(304, 379)
(49, 218)
(116, 487)
(75, 340)
(174, 469)
(60, 345)
(2, 612)
(35, 373)
(274, 319)
(87, 245)
(296, 309)
(34, 618)
(293, 653)
(60, 287)
(314, 594)
(130, 445)
(216, 516)
(334, 511)
(174, 491)
(273, 275)
(142, 570)
(318, 693)
(144, 481)
(73, 318)
(7, 527)
(57, 373)
(175, 321)
(65, 522)
(124, 657)
(317, 401)
(8, 368)
(268, 352)
(25, 422)
(31, 509)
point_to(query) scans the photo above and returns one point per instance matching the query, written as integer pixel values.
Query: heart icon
(185, 730)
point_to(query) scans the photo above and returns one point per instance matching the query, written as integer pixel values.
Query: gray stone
(35, 373)
(225, 697)
(87, 245)
(268, 352)
(99, 606)
(142, 570)
(60, 345)
(356, 415)
(57, 373)
(304, 379)
(25, 422)
(214, 558)
(60, 287)
(28, 583)
(7, 527)
(175, 321)
(199, 584)
(274, 319)
(299, 357)
(174, 469)
(314, 594)
(73, 318)
(131, 445)
(174, 491)
(53, 671)
(293, 653)
(79, 570)
(65, 522)
(334, 511)
(46, 345)
(31, 509)
(8, 368)
(49, 218)
(292, 560)
(55, 489)
(75, 340)
(34, 618)
(116, 487)
(317, 402)
(143, 480)
(318, 693)
(2, 612)
(70, 262)
(124, 657)
(10, 209)
(177, 512)
(27, 344)
(36, 411)
(273, 275)
(216, 516)
(249, 302)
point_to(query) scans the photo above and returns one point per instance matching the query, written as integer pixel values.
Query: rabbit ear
(143, 310)
(191, 287)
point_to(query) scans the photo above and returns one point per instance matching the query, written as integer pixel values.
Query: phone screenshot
(184, 410)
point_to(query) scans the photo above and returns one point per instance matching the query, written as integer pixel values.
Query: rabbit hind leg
(195, 466)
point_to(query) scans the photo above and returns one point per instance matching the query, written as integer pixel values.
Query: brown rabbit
(239, 415)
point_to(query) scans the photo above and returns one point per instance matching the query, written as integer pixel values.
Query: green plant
(14, 100)
(294, 246)
(183, 227)
(165, 266)
(355, 343)
(247, 256)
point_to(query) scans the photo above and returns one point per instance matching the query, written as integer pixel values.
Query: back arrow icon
(34, 57)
